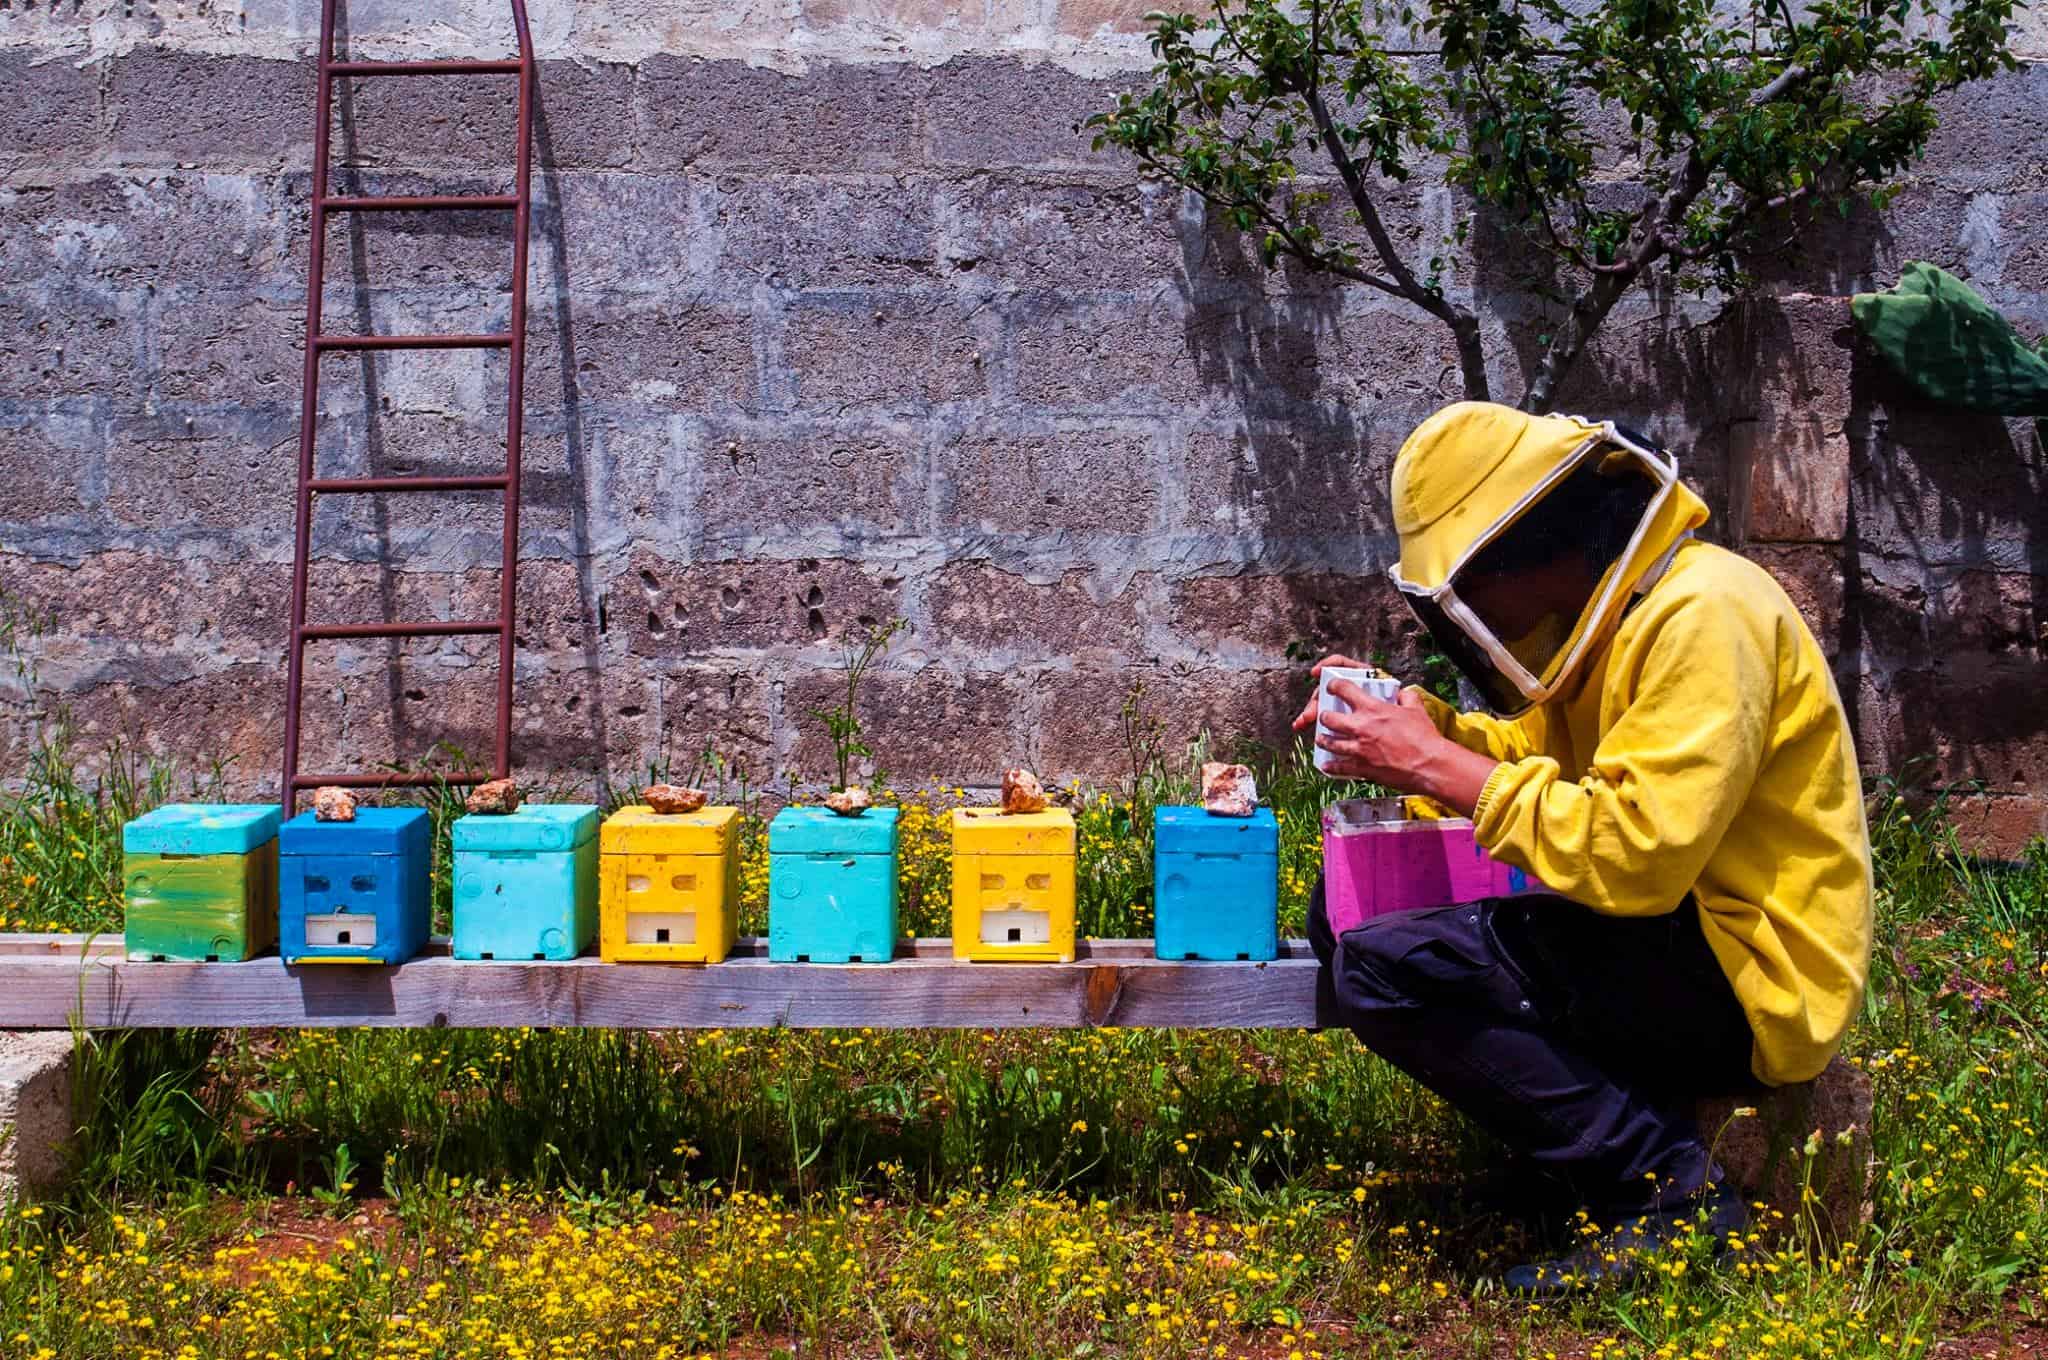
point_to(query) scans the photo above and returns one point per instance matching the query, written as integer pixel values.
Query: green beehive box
(201, 882)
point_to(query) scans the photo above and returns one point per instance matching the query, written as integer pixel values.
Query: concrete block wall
(836, 318)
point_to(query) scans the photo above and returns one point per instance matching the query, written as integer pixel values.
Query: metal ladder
(319, 343)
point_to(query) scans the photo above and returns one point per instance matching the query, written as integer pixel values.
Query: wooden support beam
(52, 981)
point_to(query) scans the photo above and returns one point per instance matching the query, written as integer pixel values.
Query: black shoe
(1617, 1253)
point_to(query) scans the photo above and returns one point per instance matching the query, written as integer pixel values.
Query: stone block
(957, 729)
(1812, 577)
(1159, 356)
(1308, 486)
(1030, 231)
(1017, 484)
(836, 119)
(51, 109)
(2008, 248)
(37, 1122)
(73, 342)
(222, 348)
(1986, 130)
(467, 125)
(802, 487)
(600, 233)
(902, 353)
(166, 706)
(242, 113)
(114, 602)
(1968, 715)
(985, 112)
(2001, 825)
(583, 115)
(123, 231)
(1789, 474)
(208, 468)
(49, 459)
(1761, 1142)
(1253, 618)
(674, 353)
(999, 617)
(1079, 733)
(802, 233)
(670, 609)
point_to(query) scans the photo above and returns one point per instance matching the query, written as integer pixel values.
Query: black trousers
(1579, 1039)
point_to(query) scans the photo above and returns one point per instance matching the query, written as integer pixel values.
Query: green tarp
(1951, 346)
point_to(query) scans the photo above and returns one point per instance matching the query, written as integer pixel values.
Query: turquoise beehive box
(832, 886)
(200, 881)
(1216, 884)
(355, 891)
(526, 882)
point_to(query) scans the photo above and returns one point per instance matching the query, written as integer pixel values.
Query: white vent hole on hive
(341, 928)
(661, 927)
(1016, 927)
(638, 883)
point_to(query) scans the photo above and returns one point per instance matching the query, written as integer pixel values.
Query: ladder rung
(382, 781)
(314, 632)
(379, 484)
(424, 68)
(499, 341)
(422, 203)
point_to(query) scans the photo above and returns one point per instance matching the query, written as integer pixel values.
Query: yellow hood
(1466, 467)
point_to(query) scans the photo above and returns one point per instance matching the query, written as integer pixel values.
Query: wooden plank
(49, 979)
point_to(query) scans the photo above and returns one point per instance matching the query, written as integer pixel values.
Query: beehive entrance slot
(661, 927)
(1013, 926)
(347, 928)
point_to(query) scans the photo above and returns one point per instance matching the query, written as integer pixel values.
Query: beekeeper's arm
(1632, 836)
(1501, 738)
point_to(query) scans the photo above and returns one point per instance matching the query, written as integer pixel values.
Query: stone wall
(834, 319)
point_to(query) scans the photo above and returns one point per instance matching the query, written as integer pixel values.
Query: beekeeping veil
(1485, 495)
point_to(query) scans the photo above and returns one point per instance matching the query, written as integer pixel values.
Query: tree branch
(1464, 325)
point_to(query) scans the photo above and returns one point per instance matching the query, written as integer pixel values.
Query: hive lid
(375, 831)
(639, 830)
(991, 831)
(821, 831)
(532, 826)
(1195, 830)
(201, 829)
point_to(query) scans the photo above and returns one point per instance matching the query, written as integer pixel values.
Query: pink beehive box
(1376, 861)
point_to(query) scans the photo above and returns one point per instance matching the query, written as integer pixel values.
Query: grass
(453, 1193)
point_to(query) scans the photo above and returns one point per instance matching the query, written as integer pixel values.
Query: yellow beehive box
(1013, 885)
(669, 885)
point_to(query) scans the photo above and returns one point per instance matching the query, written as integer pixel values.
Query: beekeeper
(1666, 751)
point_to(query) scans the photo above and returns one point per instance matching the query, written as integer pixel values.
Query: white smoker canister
(1383, 688)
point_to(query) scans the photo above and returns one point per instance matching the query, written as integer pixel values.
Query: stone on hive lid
(849, 802)
(672, 798)
(1229, 790)
(498, 796)
(1021, 792)
(333, 804)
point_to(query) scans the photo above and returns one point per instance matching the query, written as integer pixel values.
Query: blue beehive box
(1216, 884)
(526, 882)
(354, 892)
(832, 886)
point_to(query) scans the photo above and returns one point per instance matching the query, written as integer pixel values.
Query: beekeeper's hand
(1307, 719)
(1398, 745)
